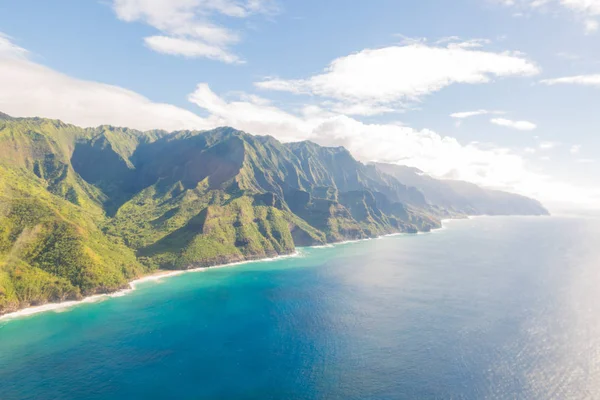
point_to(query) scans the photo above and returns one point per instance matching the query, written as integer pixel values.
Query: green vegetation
(83, 211)
(52, 249)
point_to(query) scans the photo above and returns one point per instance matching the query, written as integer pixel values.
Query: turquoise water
(487, 308)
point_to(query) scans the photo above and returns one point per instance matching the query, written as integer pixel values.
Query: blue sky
(388, 79)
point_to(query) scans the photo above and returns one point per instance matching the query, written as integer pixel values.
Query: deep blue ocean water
(499, 308)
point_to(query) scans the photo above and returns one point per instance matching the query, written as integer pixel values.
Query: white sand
(57, 307)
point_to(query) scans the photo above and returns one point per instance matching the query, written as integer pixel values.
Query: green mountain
(84, 211)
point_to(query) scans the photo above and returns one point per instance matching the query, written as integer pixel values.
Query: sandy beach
(162, 274)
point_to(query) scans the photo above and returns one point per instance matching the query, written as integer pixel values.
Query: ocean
(486, 308)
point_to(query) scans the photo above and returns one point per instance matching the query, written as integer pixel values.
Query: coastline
(152, 277)
(163, 274)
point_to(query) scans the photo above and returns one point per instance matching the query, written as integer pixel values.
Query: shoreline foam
(157, 276)
(154, 277)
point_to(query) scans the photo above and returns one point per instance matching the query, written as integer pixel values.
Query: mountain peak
(311, 146)
(5, 116)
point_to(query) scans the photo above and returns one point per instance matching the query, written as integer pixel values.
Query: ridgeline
(84, 211)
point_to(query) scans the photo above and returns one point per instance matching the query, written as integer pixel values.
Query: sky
(503, 93)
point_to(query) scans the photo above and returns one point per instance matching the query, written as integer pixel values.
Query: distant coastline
(163, 274)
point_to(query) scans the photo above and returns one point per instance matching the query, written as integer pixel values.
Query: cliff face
(83, 211)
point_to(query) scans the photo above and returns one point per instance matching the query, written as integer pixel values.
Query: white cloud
(586, 161)
(392, 75)
(10, 50)
(186, 26)
(575, 149)
(254, 116)
(469, 114)
(548, 145)
(188, 48)
(361, 109)
(30, 89)
(591, 26)
(584, 80)
(519, 125)
(586, 7)
(587, 11)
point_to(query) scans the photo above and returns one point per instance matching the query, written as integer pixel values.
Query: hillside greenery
(84, 211)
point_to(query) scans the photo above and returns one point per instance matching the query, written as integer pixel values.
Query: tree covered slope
(83, 211)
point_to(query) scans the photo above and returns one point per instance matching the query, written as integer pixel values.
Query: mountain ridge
(85, 210)
(461, 196)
